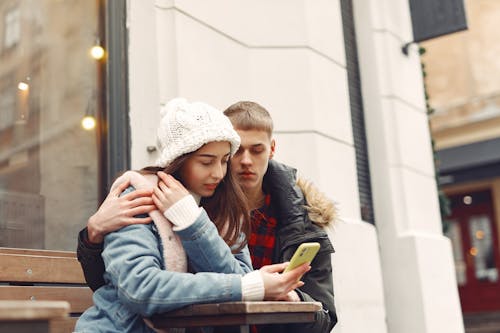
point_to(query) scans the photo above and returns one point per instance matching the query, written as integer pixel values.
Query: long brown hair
(227, 207)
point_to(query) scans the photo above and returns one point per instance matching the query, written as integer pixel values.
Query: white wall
(287, 55)
(420, 288)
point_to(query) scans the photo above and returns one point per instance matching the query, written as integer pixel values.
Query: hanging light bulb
(97, 52)
(89, 120)
(88, 123)
(23, 86)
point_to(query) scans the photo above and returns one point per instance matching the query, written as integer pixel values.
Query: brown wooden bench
(44, 275)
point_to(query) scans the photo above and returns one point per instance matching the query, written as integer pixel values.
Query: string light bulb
(23, 86)
(88, 123)
(97, 52)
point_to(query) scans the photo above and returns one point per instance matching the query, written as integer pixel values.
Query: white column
(417, 265)
(143, 80)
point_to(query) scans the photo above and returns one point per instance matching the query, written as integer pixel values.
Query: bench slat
(79, 298)
(13, 310)
(59, 273)
(28, 268)
(34, 252)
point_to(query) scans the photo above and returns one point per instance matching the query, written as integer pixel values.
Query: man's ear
(273, 147)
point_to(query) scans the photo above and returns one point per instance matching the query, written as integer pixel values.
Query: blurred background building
(48, 163)
(349, 110)
(464, 91)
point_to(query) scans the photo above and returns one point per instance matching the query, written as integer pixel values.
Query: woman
(146, 264)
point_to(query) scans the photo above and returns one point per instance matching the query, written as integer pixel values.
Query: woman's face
(205, 168)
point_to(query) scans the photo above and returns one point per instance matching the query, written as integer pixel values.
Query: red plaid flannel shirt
(262, 238)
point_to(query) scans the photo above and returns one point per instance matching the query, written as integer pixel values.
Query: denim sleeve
(207, 251)
(133, 265)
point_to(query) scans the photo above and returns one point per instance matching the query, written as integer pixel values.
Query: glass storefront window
(482, 248)
(48, 83)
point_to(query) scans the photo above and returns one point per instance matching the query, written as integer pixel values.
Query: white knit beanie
(185, 127)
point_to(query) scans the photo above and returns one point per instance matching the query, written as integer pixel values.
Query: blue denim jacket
(137, 284)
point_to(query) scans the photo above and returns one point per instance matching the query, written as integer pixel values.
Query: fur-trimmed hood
(321, 210)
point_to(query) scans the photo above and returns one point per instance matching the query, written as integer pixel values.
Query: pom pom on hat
(185, 127)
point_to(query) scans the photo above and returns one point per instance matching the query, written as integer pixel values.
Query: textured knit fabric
(262, 238)
(184, 127)
(173, 252)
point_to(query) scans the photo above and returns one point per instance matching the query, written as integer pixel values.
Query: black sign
(433, 18)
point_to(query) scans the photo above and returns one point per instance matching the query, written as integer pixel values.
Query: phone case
(304, 253)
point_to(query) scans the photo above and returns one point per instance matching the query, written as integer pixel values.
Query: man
(282, 218)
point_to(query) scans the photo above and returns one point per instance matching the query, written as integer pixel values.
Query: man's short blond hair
(248, 116)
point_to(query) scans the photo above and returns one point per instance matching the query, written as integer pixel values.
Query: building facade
(465, 95)
(393, 268)
(290, 57)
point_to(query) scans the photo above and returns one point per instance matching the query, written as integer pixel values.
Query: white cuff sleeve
(183, 213)
(252, 286)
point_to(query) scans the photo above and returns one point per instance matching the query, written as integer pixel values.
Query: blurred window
(12, 28)
(482, 248)
(453, 233)
(48, 83)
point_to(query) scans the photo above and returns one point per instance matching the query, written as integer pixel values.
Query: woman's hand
(277, 285)
(168, 192)
(117, 212)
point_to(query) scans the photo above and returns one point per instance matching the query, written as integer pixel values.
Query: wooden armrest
(33, 310)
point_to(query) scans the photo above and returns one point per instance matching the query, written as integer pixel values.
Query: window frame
(115, 122)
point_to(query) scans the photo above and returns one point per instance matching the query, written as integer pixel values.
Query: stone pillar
(417, 265)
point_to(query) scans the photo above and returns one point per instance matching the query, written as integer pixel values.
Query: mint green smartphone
(304, 253)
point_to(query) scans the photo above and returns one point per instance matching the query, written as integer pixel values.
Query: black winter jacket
(299, 221)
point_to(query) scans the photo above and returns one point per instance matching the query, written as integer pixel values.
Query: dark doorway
(473, 232)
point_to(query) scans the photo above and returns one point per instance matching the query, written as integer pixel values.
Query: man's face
(249, 164)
